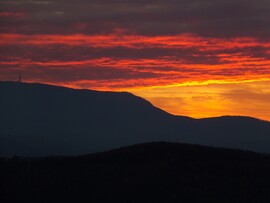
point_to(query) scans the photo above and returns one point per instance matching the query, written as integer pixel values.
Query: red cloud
(168, 59)
(13, 14)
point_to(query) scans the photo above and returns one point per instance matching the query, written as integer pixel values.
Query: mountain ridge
(39, 119)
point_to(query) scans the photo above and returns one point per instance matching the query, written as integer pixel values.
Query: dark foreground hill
(153, 172)
(41, 120)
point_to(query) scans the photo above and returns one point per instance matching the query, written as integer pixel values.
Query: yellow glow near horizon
(212, 99)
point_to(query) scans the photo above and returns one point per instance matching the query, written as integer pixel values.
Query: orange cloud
(135, 41)
(161, 71)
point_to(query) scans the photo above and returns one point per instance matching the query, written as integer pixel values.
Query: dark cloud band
(215, 18)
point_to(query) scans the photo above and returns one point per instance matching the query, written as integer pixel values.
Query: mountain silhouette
(41, 120)
(150, 172)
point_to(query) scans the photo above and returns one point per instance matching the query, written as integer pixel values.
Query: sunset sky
(198, 58)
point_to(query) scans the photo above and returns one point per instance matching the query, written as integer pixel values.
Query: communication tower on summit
(20, 76)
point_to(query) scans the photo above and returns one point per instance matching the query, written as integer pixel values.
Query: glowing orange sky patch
(208, 100)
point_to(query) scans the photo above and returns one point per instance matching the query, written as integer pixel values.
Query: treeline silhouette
(151, 172)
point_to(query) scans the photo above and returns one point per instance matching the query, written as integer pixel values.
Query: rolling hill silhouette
(41, 120)
(150, 172)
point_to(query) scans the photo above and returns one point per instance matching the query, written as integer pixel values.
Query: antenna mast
(20, 73)
(20, 76)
